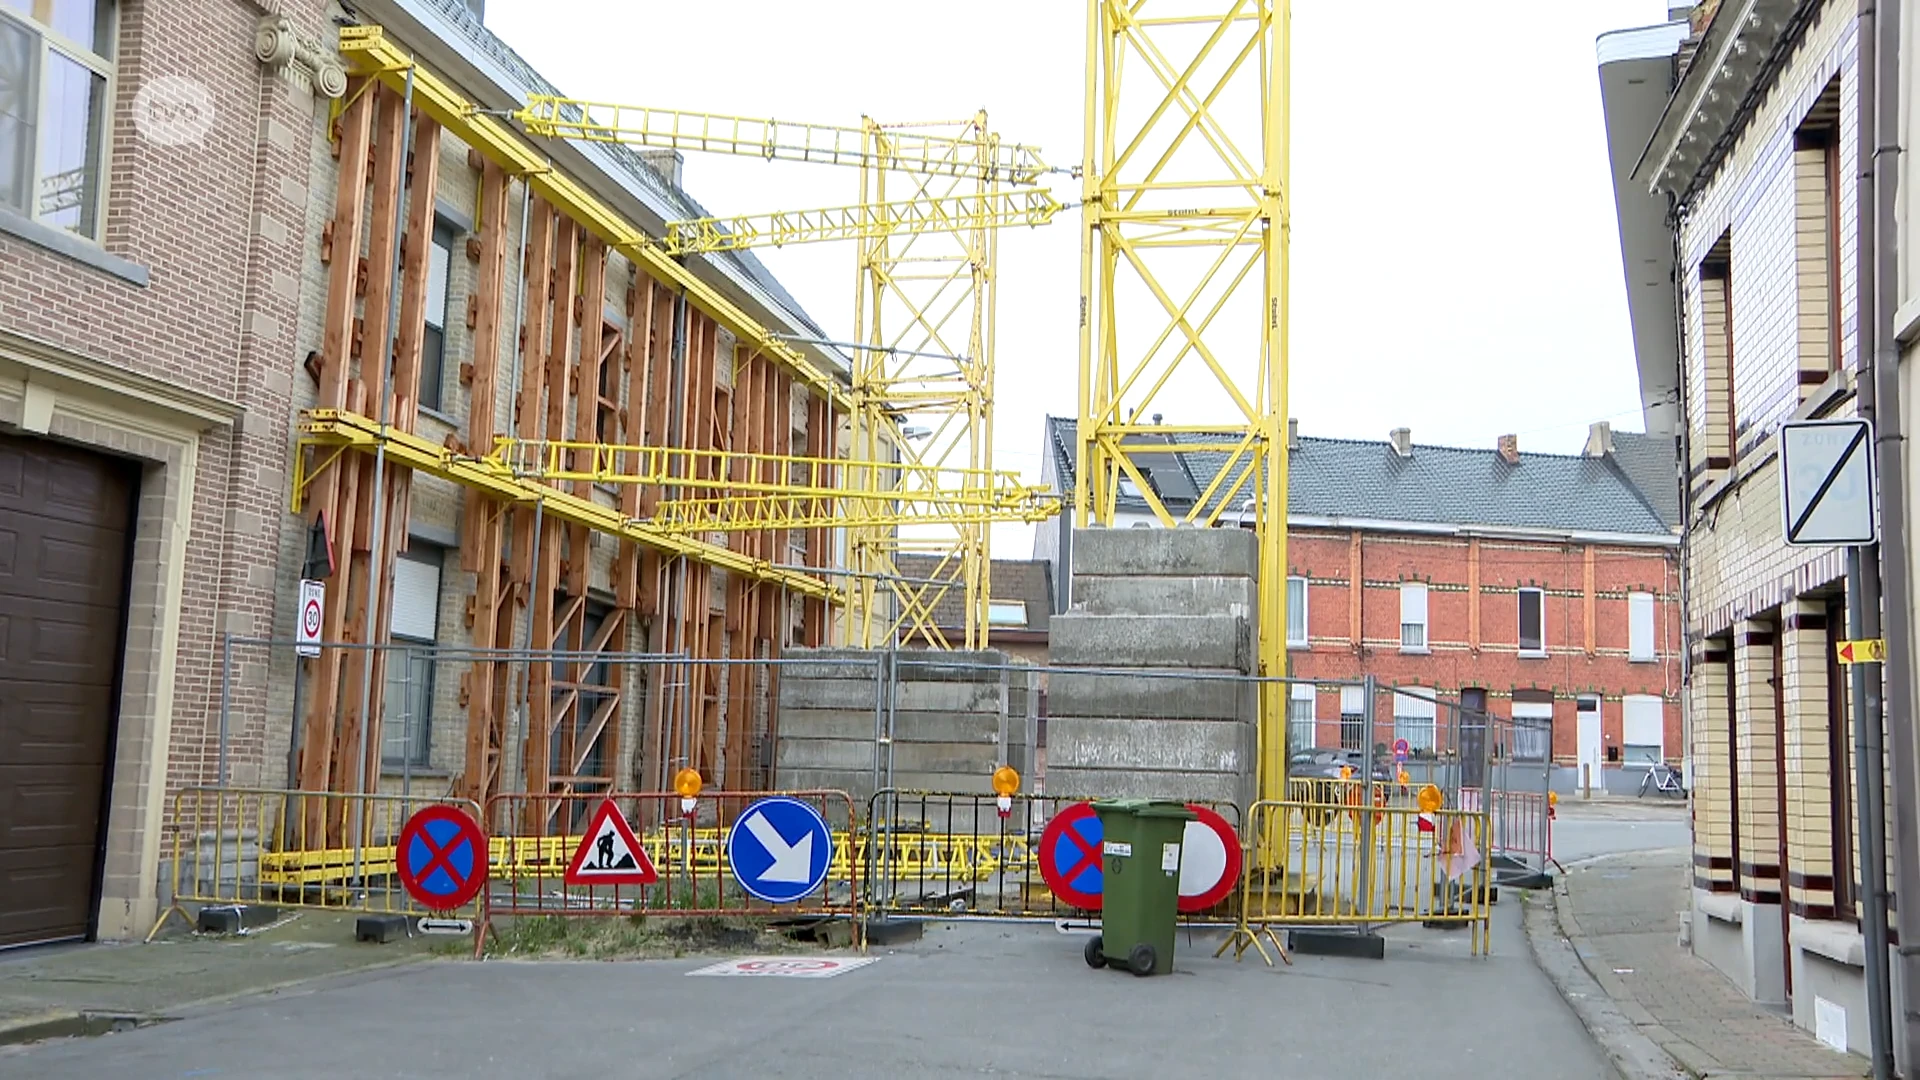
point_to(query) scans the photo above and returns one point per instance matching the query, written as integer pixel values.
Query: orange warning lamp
(687, 783)
(1006, 783)
(1346, 772)
(1553, 804)
(1429, 797)
(1404, 779)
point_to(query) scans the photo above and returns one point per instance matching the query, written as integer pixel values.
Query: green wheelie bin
(1140, 883)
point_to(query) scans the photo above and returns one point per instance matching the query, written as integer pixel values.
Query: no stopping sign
(1209, 860)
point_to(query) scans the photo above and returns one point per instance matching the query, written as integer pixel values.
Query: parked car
(1325, 764)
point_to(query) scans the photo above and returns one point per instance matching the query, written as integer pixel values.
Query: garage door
(64, 522)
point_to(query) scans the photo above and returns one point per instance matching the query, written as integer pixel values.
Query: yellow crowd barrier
(1314, 864)
(289, 849)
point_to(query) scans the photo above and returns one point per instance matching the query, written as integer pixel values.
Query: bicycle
(1665, 779)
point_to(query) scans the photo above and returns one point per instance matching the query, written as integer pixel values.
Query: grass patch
(631, 937)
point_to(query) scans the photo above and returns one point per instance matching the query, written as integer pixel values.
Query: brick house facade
(1759, 175)
(1414, 563)
(170, 290)
(149, 235)
(1471, 591)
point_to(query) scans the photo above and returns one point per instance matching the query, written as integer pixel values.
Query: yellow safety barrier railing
(1322, 864)
(906, 857)
(290, 849)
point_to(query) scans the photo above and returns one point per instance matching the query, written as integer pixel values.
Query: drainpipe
(1685, 563)
(1864, 586)
(1881, 394)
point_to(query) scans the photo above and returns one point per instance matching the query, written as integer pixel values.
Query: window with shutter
(1414, 710)
(1353, 717)
(1300, 717)
(407, 705)
(1413, 616)
(1640, 626)
(1297, 613)
(1643, 730)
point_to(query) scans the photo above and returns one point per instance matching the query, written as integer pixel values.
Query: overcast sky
(1455, 260)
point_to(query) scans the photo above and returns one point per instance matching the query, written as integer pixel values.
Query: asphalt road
(970, 1000)
(1584, 830)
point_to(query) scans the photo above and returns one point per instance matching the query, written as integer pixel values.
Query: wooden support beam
(586, 381)
(387, 157)
(634, 366)
(388, 163)
(482, 541)
(350, 200)
(423, 180)
(343, 272)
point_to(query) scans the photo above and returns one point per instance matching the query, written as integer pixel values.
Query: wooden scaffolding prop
(550, 696)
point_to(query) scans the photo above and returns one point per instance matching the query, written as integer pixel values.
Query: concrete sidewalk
(61, 990)
(1607, 934)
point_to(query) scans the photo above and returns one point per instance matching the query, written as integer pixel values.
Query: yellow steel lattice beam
(322, 430)
(927, 153)
(561, 461)
(951, 214)
(368, 52)
(747, 513)
(925, 321)
(1184, 280)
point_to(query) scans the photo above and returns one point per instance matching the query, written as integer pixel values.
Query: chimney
(1510, 449)
(1599, 440)
(663, 161)
(1401, 439)
(1293, 434)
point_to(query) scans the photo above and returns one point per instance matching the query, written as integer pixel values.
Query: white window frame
(1532, 711)
(434, 315)
(1354, 711)
(1297, 602)
(1519, 621)
(51, 40)
(1415, 717)
(1301, 730)
(393, 730)
(1413, 612)
(1640, 628)
(998, 608)
(1641, 716)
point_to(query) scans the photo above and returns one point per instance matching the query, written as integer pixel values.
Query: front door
(1587, 736)
(65, 516)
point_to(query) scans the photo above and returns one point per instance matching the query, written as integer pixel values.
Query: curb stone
(77, 1023)
(1631, 1052)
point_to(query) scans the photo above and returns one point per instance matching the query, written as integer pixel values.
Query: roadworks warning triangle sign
(610, 854)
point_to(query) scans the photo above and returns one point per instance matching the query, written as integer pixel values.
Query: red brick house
(1533, 585)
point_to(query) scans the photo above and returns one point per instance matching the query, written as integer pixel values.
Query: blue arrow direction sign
(780, 849)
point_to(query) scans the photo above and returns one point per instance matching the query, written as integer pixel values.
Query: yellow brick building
(1732, 129)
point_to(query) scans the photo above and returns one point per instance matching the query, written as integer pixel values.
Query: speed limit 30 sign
(313, 605)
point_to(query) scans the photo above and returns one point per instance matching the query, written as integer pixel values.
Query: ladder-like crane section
(1184, 280)
(865, 221)
(924, 328)
(928, 153)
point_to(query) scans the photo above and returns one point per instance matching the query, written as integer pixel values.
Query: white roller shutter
(1644, 724)
(1640, 626)
(416, 599)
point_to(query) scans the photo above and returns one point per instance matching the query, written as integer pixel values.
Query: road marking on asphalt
(786, 967)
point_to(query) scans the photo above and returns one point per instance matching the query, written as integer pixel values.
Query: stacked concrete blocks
(855, 719)
(1174, 608)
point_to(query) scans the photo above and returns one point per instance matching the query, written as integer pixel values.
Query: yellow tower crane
(1183, 275)
(921, 477)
